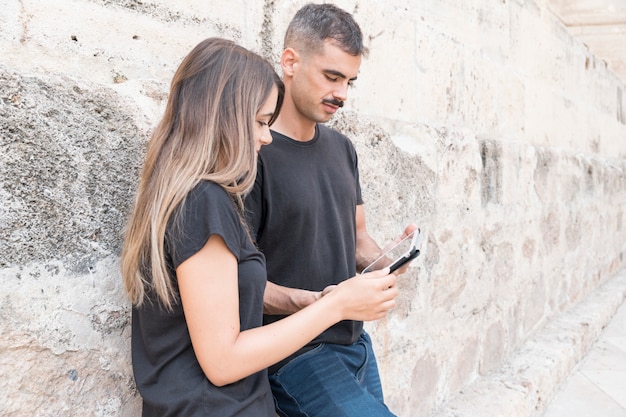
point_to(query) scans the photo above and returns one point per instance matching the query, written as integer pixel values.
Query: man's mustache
(334, 102)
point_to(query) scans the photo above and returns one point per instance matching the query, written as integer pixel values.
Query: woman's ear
(289, 61)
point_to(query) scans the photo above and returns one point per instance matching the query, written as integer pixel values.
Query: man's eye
(351, 83)
(331, 78)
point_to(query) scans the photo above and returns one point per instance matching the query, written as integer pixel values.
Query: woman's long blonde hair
(206, 133)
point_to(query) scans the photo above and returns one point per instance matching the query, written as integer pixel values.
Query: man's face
(321, 81)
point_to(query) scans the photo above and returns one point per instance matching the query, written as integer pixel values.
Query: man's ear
(288, 61)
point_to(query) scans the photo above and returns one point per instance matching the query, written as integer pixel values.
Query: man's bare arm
(367, 250)
(279, 300)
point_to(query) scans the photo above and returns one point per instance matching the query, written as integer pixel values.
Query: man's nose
(341, 92)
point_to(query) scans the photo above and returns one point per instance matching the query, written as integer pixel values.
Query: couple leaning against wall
(244, 250)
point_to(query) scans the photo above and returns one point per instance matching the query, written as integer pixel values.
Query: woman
(194, 277)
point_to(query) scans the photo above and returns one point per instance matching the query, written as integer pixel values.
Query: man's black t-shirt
(166, 370)
(302, 213)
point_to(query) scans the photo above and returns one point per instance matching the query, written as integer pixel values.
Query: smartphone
(402, 252)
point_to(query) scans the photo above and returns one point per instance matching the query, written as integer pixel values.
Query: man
(306, 214)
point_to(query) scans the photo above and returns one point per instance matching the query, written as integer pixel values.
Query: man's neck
(294, 125)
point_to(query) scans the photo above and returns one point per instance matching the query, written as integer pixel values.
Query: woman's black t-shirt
(167, 373)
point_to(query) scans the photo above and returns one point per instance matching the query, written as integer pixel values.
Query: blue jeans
(331, 381)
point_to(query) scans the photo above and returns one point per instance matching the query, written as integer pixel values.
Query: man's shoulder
(336, 138)
(332, 132)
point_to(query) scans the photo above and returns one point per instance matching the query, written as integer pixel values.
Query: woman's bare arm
(209, 294)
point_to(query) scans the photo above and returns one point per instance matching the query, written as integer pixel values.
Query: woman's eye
(262, 124)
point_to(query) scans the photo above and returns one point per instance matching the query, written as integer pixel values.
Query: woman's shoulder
(208, 187)
(206, 201)
(208, 192)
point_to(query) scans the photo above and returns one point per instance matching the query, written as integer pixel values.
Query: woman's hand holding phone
(366, 297)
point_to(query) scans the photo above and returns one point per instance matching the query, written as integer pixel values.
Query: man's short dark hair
(313, 24)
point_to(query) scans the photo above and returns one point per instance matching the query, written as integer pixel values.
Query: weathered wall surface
(484, 122)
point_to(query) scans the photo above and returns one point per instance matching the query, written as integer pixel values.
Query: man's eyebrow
(338, 74)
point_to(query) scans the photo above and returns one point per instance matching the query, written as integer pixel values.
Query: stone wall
(484, 122)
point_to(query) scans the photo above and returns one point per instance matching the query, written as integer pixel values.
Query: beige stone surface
(600, 24)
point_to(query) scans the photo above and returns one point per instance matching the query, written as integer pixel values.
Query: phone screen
(398, 254)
